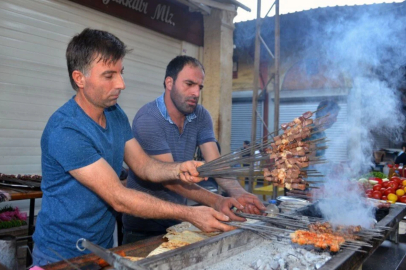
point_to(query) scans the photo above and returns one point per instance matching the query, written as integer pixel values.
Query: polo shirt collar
(160, 103)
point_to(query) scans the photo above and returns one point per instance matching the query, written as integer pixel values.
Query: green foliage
(12, 223)
(374, 174)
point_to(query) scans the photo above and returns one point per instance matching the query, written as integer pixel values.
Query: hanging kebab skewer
(282, 159)
(289, 154)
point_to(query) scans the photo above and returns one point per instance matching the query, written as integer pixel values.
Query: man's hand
(251, 203)
(208, 220)
(188, 172)
(224, 205)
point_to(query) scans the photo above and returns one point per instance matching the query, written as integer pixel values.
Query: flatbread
(185, 236)
(134, 259)
(174, 245)
(181, 235)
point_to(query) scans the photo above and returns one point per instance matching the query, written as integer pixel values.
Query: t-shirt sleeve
(150, 136)
(206, 133)
(71, 149)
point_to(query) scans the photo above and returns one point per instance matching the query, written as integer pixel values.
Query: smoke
(369, 47)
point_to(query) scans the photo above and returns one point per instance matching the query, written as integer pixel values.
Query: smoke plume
(367, 46)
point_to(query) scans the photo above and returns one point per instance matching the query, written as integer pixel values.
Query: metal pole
(277, 84)
(255, 92)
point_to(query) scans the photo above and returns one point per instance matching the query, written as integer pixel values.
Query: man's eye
(108, 76)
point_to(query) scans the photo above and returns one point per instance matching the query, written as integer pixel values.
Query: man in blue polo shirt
(169, 129)
(83, 148)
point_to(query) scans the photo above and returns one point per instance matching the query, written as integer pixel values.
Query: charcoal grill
(221, 247)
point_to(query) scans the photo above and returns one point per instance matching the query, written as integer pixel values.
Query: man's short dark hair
(247, 142)
(327, 107)
(178, 63)
(404, 145)
(89, 45)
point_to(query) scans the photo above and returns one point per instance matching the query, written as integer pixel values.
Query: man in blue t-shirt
(169, 129)
(83, 148)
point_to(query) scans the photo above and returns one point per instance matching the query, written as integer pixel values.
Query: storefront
(33, 76)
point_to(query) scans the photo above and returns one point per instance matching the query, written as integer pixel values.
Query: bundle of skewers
(312, 231)
(282, 159)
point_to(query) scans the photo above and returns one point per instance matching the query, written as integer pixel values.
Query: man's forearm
(146, 167)
(193, 192)
(231, 186)
(158, 171)
(142, 204)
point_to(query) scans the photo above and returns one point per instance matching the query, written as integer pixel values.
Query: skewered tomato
(392, 197)
(385, 184)
(400, 192)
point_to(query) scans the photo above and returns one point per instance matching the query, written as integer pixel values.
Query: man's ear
(79, 78)
(169, 83)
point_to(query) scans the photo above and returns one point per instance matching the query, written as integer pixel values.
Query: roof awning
(205, 6)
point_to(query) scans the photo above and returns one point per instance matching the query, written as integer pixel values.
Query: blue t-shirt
(70, 211)
(157, 134)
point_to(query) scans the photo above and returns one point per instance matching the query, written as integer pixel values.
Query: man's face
(186, 89)
(103, 83)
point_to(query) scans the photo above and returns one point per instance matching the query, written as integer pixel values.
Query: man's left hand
(224, 205)
(251, 203)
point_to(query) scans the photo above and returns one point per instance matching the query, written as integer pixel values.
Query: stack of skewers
(282, 160)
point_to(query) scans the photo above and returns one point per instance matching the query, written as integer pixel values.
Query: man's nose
(196, 91)
(120, 82)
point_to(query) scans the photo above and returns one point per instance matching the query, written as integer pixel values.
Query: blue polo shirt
(158, 134)
(70, 211)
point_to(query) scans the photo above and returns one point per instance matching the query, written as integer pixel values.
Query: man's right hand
(188, 172)
(208, 220)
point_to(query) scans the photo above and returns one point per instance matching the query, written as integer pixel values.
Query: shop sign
(168, 17)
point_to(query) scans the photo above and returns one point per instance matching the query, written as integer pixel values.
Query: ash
(274, 255)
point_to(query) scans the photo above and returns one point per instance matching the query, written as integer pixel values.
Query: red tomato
(393, 184)
(385, 184)
(377, 187)
(384, 197)
(390, 165)
(395, 178)
(376, 194)
(402, 199)
(369, 195)
(389, 190)
(379, 180)
(382, 190)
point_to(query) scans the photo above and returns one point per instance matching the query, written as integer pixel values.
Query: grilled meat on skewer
(319, 240)
(347, 232)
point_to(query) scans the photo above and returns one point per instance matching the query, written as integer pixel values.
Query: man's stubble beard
(181, 104)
